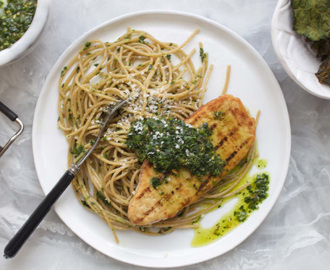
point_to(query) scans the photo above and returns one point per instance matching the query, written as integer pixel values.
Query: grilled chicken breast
(232, 136)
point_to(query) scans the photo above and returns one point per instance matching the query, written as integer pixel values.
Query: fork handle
(9, 113)
(37, 216)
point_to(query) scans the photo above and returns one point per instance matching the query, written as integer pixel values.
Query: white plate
(294, 53)
(251, 80)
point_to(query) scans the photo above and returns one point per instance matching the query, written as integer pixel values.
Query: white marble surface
(296, 234)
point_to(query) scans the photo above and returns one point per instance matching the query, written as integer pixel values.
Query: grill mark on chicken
(243, 144)
(165, 198)
(233, 154)
(213, 126)
(230, 134)
(178, 187)
(158, 203)
(153, 208)
(147, 190)
(195, 120)
(186, 202)
(204, 184)
(168, 196)
(221, 143)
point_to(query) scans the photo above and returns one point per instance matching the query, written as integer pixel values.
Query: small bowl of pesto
(301, 41)
(21, 24)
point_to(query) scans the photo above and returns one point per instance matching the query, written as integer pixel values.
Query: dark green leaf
(323, 74)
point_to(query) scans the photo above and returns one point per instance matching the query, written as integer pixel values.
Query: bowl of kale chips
(301, 40)
(21, 25)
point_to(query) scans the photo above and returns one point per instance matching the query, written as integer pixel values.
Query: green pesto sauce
(77, 150)
(15, 19)
(260, 163)
(170, 144)
(248, 201)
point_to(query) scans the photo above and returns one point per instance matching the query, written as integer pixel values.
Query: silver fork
(37, 216)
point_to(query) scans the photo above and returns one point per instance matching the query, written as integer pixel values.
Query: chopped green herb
(218, 115)
(257, 192)
(168, 56)
(87, 45)
(141, 39)
(64, 70)
(197, 220)
(202, 54)
(171, 144)
(102, 198)
(155, 182)
(164, 230)
(77, 150)
(142, 229)
(85, 203)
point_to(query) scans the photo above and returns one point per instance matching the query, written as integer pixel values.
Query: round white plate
(294, 53)
(251, 80)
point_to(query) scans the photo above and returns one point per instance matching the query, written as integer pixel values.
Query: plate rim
(238, 38)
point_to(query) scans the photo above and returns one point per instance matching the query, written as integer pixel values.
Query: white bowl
(25, 44)
(294, 53)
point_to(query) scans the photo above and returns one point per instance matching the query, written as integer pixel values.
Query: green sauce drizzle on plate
(248, 201)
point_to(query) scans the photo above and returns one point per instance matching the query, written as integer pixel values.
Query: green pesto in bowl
(16, 17)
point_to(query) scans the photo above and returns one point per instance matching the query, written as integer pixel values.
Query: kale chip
(311, 19)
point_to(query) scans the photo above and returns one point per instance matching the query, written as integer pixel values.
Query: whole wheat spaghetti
(158, 78)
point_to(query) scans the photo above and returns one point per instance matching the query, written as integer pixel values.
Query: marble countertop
(296, 233)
